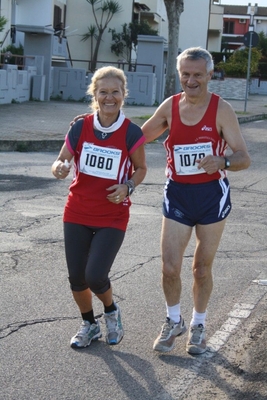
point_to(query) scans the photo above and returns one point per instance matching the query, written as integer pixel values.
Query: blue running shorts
(191, 204)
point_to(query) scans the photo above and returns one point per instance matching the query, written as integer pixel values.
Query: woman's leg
(77, 245)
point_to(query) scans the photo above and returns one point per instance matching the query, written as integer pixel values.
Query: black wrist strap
(131, 186)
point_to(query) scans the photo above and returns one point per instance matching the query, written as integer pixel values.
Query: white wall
(60, 3)
(194, 24)
(34, 12)
(262, 27)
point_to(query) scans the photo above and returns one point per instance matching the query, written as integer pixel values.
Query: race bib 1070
(101, 162)
(185, 157)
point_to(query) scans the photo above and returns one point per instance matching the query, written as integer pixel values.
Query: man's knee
(201, 271)
(170, 271)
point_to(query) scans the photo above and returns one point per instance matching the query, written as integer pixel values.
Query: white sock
(198, 318)
(174, 312)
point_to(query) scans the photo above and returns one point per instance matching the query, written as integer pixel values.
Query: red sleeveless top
(185, 144)
(98, 165)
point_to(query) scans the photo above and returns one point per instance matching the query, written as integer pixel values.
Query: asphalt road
(38, 314)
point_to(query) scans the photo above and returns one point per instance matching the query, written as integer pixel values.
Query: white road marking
(177, 387)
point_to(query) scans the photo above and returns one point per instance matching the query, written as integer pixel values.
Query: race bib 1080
(185, 157)
(101, 162)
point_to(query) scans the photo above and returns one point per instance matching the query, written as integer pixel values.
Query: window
(57, 17)
(228, 27)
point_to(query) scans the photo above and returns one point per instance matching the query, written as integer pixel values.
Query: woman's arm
(120, 191)
(61, 166)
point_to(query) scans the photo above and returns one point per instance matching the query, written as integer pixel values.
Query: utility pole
(251, 11)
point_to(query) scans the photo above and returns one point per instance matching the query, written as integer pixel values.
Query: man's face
(194, 77)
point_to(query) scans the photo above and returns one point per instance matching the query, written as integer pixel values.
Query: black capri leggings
(90, 253)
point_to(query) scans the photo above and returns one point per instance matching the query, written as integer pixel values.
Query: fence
(25, 81)
(14, 59)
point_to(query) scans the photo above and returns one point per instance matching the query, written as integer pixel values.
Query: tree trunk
(174, 9)
(95, 55)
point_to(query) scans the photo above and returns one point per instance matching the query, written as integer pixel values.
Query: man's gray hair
(196, 53)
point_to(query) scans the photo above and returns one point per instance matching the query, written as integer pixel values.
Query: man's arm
(228, 126)
(159, 122)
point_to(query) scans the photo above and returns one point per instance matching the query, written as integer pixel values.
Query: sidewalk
(42, 126)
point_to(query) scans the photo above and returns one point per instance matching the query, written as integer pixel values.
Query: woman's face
(109, 95)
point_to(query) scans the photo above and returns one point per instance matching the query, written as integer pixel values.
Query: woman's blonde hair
(105, 72)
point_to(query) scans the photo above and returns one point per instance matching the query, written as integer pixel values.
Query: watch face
(227, 163)
(130, 191)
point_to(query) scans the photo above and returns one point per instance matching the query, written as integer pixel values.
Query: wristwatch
(131, 186)
(227, 163)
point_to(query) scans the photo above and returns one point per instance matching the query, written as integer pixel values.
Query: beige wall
(215, 28)
(160, 16)
(79, 17)
(194, 24)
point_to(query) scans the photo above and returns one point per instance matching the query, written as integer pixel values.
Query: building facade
(57, 61)
(215, 28)
(238, 20)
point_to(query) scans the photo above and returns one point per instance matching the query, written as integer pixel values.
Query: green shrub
(237, 64)
(18, 51)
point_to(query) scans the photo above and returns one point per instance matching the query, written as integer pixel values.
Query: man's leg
(174, 239)
(207, 241)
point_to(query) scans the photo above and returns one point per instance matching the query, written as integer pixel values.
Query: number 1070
(187, 160)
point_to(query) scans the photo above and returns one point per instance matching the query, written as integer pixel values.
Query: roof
(242, 10)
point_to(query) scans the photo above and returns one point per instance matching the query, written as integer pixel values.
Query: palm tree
(3, 21)
(107, 8)
(90, 34)
(174, 9)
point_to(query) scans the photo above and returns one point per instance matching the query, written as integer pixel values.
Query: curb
(49, 145)
(25, 146)
(257, 117)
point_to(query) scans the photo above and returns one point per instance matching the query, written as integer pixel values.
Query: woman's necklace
(109, 129)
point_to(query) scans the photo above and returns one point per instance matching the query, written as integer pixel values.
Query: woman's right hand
(61, 169)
